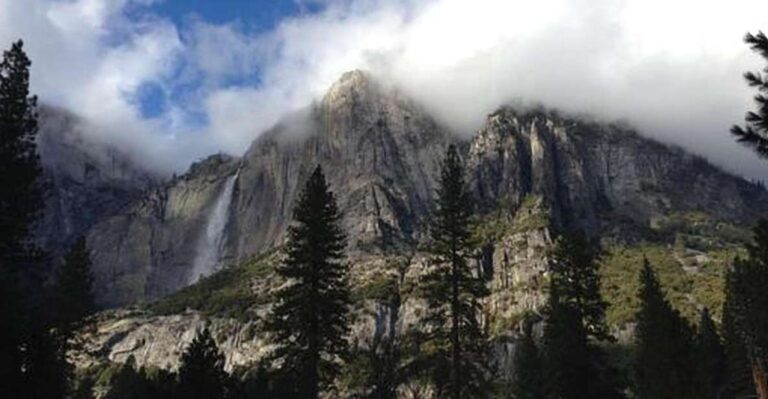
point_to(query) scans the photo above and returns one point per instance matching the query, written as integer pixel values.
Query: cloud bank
(670, 67)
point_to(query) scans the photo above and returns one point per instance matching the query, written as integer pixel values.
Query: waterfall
(211, 242)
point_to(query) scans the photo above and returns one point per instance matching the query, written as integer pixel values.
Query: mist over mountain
(375, 199)
(172, 89)
(382, 152)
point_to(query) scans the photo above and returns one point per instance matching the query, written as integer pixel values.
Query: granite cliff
(381, 153)
(85, 181)
(534, 173)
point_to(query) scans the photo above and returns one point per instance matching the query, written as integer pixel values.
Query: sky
(173, 81)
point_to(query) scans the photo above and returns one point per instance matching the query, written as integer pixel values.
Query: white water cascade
(211, 242)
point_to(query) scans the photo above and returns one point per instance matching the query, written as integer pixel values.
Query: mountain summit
(382, 152)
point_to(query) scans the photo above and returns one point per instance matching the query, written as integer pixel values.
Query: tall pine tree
(568, 366)
(310, 319)
(528, 368)
(738, 381)
(31, 360)
(73, 291)
(576, 366)
(664, 361)
(576, 277)
(20, 199)
(201, 374)
(709, 359)
(749, 301)
(452, 292)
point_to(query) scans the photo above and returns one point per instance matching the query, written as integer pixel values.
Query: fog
(672, 68)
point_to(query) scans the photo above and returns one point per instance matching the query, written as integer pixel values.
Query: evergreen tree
(575, 274)
(127, 383)
(310, 319)
(568, 368)
(20, 199)
(663, 363)
(452, 292)
(747, 285)
(528, 368)
(755, 132)
(130, 382)
(709, 359)
(201, 374)
(30, 359)
(749, 277)
(576, 366)
(738, 381)
(73, 292)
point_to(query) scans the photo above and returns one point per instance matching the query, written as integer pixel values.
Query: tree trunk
(761, 378)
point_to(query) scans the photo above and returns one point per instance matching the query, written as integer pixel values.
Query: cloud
(671, 67)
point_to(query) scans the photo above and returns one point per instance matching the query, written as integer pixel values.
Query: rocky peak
(87, 181)
(381, 153)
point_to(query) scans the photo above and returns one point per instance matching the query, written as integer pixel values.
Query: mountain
(381, 153)
(201, 249)
(85, 181)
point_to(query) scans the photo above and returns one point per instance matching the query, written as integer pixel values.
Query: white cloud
(671, 67)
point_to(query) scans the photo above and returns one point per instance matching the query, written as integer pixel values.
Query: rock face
(160, 340)
(604, 179)
(86, 182)
(149, 250)
(381, 154)
(533, 174)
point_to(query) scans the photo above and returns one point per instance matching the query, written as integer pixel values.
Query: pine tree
(528, 369)
(73, 292)
(738, 381)
(709, 359)
(575, 274)
(452, 292)
(23, 337)
(201, 374)
(663, 363)
(747, 285)
(310, 319)
(568, 366)
(755, 133)
(749, 277)
(576, 366)
(20, 199)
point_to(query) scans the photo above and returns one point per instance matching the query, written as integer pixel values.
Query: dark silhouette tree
(709, 359)
(575, 274)
(201, 374)
(568, 367)
(738, 381)
(128, 382)
(30, 357)
(749, 301)
(528, 380)
(453, 293)
(755, 132)
(310, 318)
(664, 361)
(576, 366)
(73, 291)
(20, 199)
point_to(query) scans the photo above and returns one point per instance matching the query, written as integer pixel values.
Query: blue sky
(173, 81)
(251, 17)
(257, 15)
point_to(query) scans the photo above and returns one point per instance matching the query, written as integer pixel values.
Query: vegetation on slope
(233, 292)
